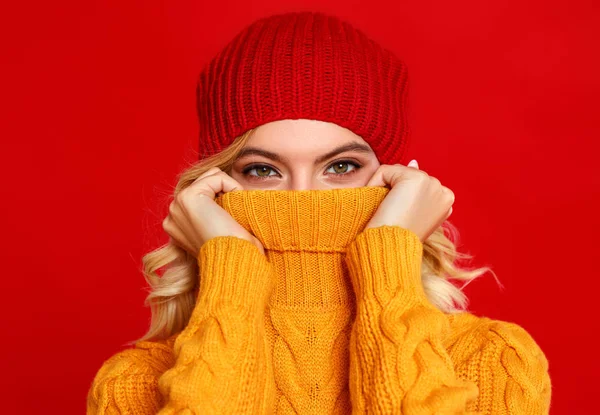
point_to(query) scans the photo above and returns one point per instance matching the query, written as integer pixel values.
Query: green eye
(263, 171)
(343, 167)
(340, 167)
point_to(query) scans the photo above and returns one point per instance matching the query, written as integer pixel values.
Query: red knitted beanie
(304, 65)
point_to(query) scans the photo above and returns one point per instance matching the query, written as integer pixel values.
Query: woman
(308, 270)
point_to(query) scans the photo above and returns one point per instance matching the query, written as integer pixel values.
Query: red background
(98, 117)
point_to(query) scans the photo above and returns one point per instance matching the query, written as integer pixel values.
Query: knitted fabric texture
(332, 319)
(304, 65)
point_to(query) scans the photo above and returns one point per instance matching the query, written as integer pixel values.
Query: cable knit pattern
(305, 235)
(399, 364)
(333, 319)
(221, 360)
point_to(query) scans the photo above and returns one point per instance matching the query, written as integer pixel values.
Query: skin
(300, 144)
(296, 155)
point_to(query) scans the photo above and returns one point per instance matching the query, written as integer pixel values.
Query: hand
(416, 201)
(194, 216)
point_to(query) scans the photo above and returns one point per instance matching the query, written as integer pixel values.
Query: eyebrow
(352, 146)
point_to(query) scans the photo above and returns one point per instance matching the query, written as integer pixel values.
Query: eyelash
(251, 167)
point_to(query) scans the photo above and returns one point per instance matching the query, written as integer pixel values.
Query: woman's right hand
(194, 216)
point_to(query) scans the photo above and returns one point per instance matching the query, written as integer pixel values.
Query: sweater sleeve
(219, 362)
(398, 363)
(509, 368)
(127, 382)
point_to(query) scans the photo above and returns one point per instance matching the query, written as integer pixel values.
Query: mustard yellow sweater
(333, 319)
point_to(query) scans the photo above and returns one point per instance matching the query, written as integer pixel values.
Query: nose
(302, 184)
(306, 182)
(302, 179)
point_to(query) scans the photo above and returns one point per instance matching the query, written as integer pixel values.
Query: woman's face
(304, 154)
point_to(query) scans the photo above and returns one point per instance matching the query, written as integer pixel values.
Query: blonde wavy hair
(171, 296)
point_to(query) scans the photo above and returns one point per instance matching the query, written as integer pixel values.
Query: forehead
(301, 133)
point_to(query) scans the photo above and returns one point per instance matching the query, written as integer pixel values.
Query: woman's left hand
(416, 201)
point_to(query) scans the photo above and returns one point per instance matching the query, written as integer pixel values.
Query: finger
(258, 244)
(376, 179)
(176, 236)
(413, 163)
(390, 175)
(228, 183)
(450, 192)
(214, 184)
(209, 172)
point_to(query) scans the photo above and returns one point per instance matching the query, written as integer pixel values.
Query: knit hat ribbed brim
(304, 65)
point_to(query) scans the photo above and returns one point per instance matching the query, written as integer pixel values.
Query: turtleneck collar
(308, 220)
(305, 234)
